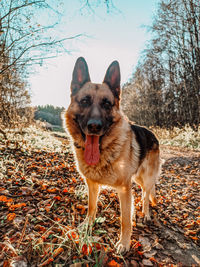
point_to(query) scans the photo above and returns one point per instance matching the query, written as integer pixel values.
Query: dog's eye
(86, 102)
(106, 104)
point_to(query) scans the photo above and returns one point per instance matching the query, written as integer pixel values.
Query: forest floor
(43, 200)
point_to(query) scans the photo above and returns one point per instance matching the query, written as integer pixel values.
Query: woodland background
(164, 89)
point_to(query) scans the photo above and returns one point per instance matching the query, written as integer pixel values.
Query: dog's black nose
(94, 126)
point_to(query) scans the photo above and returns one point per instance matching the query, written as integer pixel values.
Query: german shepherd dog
(109, 149)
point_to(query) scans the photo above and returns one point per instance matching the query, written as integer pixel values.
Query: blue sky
(119, 35)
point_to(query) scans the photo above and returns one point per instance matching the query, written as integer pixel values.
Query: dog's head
(94, 107)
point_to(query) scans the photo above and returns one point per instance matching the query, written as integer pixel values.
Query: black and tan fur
(126, 150)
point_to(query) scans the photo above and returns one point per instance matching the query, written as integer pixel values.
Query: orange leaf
(72, 235)
(105, 248)
(5, 199)
(2, 189)
(51, 190)
(11, 216)
(44, 187)
(153, 259)
(57, 198)
(113, 263)
(190, 232)
(97, 246)
(74, 180)
(134, 224)
(137, 244)
(57, 219)
(57, 252)
(194, 237)
(81, 207)
(185, 215)
(65, 190)
(47, 208)
(42, 229)
(190, 225)
(6, 263)
(84, 249)
(112, 194)
(16, 206)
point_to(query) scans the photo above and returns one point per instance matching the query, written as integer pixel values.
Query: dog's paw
(147, 219)
(122, 247)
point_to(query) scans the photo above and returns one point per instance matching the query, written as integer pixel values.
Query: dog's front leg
(93, 191)
(126, 219)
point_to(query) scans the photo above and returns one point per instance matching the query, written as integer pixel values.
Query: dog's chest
(113, 175)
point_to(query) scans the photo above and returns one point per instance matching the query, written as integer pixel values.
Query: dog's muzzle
(94, 126)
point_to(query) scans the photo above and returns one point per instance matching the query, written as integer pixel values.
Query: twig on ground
(23, 232)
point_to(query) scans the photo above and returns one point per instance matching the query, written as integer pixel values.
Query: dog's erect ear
(112, 78)
(80, 75)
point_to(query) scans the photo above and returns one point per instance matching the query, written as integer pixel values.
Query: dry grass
(33, 138)
(36, 138)
(185, 137)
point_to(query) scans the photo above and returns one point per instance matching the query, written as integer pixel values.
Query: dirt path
(173, 236)
(178, 208)
(168, 152)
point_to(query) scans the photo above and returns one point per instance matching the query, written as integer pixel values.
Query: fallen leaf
(11, 216)
(113, 263)
(57, 252)
(57, 198)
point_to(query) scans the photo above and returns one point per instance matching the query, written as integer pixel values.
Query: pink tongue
(92, 153)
